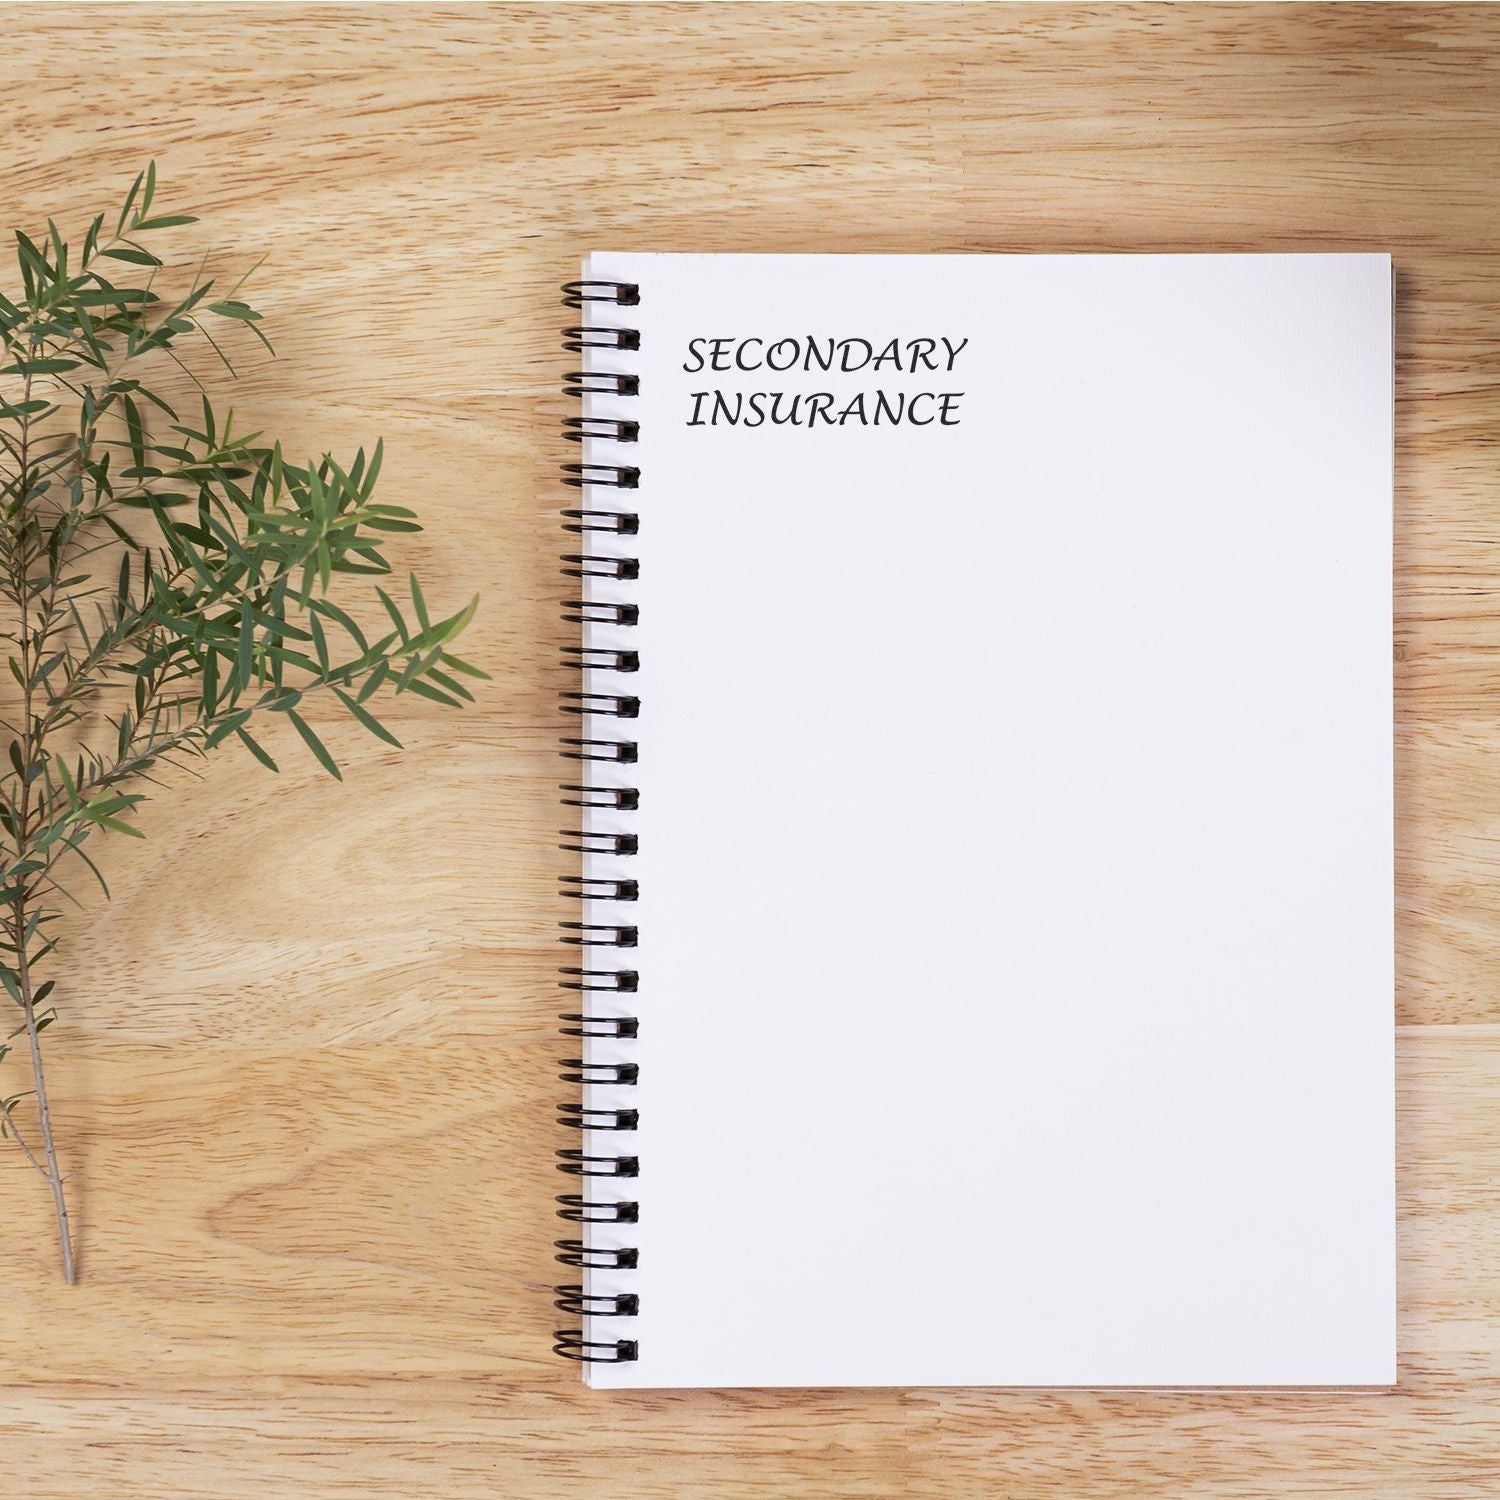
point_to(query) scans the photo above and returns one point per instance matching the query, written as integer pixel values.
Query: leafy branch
(165, 583)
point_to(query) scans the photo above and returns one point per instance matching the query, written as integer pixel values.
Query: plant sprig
(164, 584)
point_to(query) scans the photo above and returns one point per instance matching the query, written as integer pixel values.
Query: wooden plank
(309, 1148)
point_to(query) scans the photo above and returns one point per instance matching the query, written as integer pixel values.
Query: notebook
(977, 924)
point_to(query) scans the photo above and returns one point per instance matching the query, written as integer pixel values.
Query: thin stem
(15, 1130)
(29, 750)
(51, 1172)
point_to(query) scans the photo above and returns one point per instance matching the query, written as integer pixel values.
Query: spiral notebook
(979, 930)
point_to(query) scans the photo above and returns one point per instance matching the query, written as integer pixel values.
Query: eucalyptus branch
(170, 580)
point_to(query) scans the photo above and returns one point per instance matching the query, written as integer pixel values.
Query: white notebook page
(1015, 827)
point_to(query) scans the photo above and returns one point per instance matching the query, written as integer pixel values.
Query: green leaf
(395, 614)
(43, 670)
(375, 521)
(449, 684)
(77, 847)
(35, 272)
(226, 727)
(244, 657)
(115, 825)
(137, 432)
(257, 751)
(468, 669)
(327, 607)
(240, 312)
(368, 719)
(380, 672)
(426, 690)
(318, 748)
(40, 367)
(10, 410)
(373, 472)
(419, 603)
(320, 642)
(59, 251)
(130, 197)
(109, 296)
(446, 630)
(132, 254)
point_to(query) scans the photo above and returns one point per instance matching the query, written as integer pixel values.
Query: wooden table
(309, 1146)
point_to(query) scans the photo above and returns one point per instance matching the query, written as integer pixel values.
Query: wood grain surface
(309, 1149)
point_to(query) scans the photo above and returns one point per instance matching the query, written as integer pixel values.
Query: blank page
(1015, 820)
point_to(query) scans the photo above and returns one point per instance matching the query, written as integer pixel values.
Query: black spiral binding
(596, 937)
